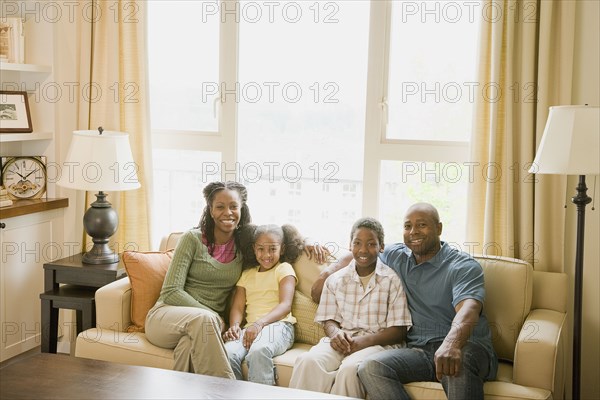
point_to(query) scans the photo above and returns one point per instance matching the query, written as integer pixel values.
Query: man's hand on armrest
(317, 287)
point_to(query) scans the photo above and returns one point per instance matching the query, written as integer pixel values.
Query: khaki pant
(194, 334)
(322, 369)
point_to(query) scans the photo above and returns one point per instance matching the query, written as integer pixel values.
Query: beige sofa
(526, 310)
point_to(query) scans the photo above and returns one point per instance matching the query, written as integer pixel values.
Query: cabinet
(26, 243)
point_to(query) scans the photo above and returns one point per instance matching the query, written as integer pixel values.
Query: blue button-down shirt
(434, 288)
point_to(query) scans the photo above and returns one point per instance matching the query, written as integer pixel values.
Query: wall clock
(24, 177)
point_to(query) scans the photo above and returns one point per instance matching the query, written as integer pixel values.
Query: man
(450, 340)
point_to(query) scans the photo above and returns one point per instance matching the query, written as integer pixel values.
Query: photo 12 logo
(252, 172)
(272, 92)
(271, 11)
(71, 11)
(445, 11)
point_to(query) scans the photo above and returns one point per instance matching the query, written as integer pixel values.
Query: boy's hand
(342, 342)
(359, 343)
(251, 333)
(233, 333)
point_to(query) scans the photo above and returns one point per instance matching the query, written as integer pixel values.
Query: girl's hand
(252, 333)
(232, 333)
(342, 342)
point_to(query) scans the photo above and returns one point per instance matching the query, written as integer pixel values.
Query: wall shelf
(4, 66)
(20, 137)
(24, 207)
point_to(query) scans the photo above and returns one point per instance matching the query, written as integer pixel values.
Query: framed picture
(14, 113)
(12, 40)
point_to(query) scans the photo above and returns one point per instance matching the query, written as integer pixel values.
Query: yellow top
(262, 291)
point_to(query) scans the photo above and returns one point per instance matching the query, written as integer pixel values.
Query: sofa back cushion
(170, 241)
(508, 294)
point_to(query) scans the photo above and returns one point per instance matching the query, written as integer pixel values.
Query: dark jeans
(383, 374)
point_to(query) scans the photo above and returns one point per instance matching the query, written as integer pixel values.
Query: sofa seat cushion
(501, 388)
(122, 347)
(285, 363)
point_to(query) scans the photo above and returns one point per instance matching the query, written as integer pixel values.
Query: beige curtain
(526, 63)
(117, 99)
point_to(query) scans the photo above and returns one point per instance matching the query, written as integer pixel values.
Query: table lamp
(100, 161)
(570, 146)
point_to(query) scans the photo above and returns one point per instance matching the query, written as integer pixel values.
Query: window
(432, 49)
(420, 181)
(420, 111)
(324, 109)
(179, 178)
(302, 81)
(183, 93)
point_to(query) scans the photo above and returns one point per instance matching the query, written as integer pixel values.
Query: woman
(189, 314)
(206, 265)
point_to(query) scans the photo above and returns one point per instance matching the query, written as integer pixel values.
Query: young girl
(263, 297)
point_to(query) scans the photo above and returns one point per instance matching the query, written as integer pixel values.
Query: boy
(363, 309)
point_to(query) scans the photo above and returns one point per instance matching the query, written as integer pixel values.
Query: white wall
(586, 90)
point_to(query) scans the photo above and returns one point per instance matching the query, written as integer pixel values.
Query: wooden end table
(82, 281)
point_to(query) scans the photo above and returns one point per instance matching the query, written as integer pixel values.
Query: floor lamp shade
(571, 146)
(99, 161)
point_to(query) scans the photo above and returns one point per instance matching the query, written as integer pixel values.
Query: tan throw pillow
(146, 271)
(306, 329)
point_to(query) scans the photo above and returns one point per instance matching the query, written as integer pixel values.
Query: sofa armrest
(113, 305)
(539, 355)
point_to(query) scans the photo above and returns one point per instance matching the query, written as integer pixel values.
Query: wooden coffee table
(56, 376)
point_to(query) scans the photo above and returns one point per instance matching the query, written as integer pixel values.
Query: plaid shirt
(364, 311)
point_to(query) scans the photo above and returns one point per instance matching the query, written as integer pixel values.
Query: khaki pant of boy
(322, 369)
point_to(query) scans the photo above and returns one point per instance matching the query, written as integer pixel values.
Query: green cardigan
(195, 279)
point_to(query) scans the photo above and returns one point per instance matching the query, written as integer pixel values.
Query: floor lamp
(570, 146)
(99, 161)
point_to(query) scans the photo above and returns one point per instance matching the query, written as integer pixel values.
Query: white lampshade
(99, 162)
(570, 144)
